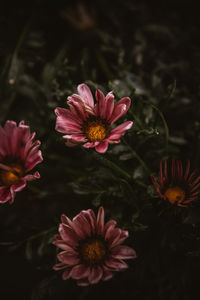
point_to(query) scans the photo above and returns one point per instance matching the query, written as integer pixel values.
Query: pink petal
(71, 143)
(119, 131)
(5, 194)
(111, 234)
(59, 266)
(62, 245)
(66, 122)
(12, 196)
(102, 147)
(110, 105)
(123, 236)
(91, 144)
(11, 131)
(120, 109)
(111, 223)
(80, 271)
(95, 275)
(83, 282)
(187, 170)
(107, 274)
(79, 138)
(31, 177)
(100, 221)
(90, 216)
(123, 252)
(66, 274)
(19, 186)
(68, 258)
(116, 264)
(68, 235)
(66, 220)
(86, 94)
(100, 107)
(156, 186)
(81, 226)
(33, 160)
(79, 107)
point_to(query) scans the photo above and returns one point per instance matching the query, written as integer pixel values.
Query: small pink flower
(18, 155)
(90, 124)
(175, 185)
(92, 249)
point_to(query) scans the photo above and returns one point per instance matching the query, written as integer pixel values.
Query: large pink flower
(90, 124)
(176, 186)
(92, 250)
(18, 155)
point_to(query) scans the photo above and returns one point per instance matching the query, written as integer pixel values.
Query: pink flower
(18, 155)
(92, 250)
(90, 124)
(176, 186)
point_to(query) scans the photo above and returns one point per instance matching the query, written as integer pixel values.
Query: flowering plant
(90, 124)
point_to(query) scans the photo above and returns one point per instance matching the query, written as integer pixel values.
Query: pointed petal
(66, 274)
(95, 275)
(119, 131)
(101, 104)
(102, 147)
(80, 271)
(86, 94)
(107, 274)
(100, 221)
(123, 252)
(110, 105)
(66, 122)
(120, 109)
(91, 144)
(83, 282)
(68, 258)
(5, 194)
(116, 264)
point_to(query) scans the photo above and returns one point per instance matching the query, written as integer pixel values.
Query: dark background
(148, 50)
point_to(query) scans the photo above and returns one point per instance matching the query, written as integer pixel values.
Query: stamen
(12, 175)
(93, 251)
(174, 194)
(95, 131)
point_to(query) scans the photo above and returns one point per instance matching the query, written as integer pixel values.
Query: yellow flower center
(174, 194)
(93, 251)
(95, 131)
(12, 176)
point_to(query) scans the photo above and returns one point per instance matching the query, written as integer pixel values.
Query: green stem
(106, 162)
(141, 161)
(165, 125)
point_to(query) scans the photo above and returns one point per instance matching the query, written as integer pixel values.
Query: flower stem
(165, 125)
(141, 161)
(106, 162)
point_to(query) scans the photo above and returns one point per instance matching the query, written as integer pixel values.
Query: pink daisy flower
(176, 186)
(90, 124)
(18, 155)
(92, 249)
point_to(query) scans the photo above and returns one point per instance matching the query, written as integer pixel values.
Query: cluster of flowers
(92, 250)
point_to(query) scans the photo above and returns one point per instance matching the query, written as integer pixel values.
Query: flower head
(18, 155)
(176, 186)
(90, 124)
(92, 250)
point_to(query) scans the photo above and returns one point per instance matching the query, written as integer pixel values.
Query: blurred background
(147, 50)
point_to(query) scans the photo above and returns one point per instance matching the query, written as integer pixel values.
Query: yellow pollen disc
(12, 177)
(174, 194)
(96, 131)
(93, 252)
